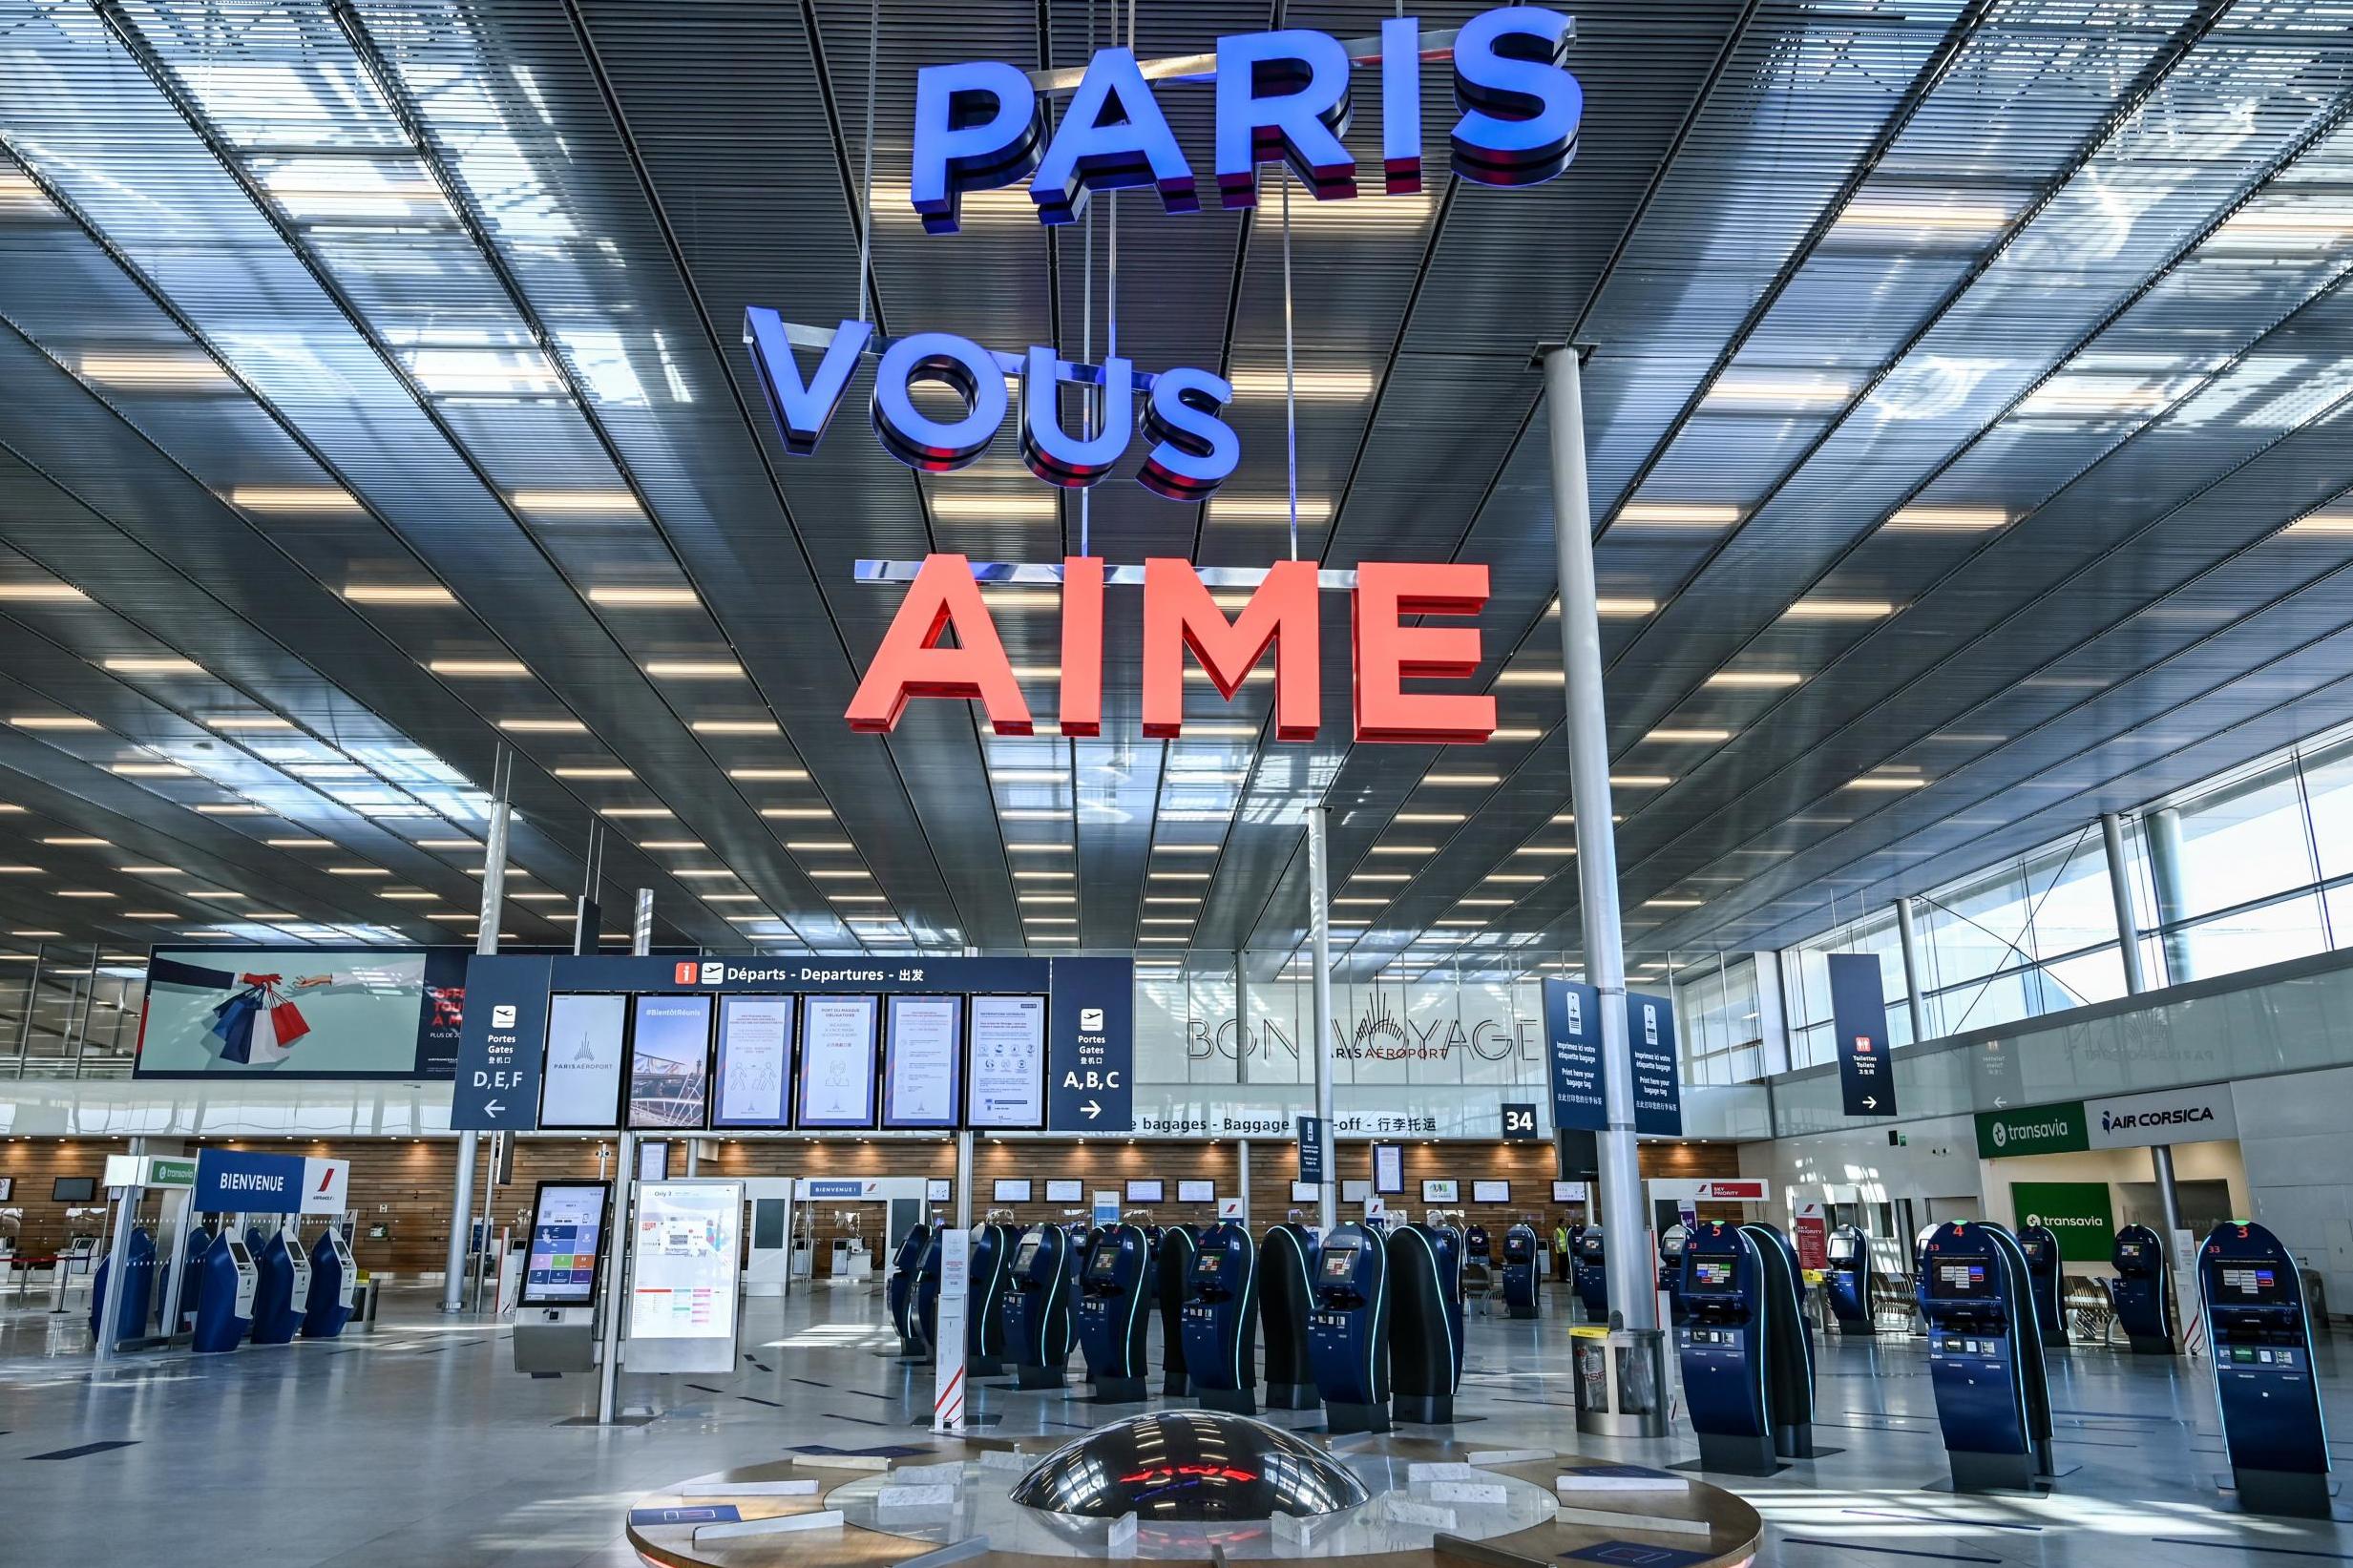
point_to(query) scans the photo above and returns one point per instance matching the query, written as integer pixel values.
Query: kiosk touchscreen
(1670, 1244)
(1724, 1349)
(1589, 1268)
(556, 1312)
(2262, 1333)
(1286, 1296)
(1112, 1314)
(906, 1264)
(1349, 1332)
(1172, 1278)
(327, 1307)
(1425, 1337)
(2144, 1292)
(1846, 1281)
(984, 1310)
(1985, 1357)
(277, 1313)
(2044, 1277)
(1519, 1277)
(1037, 1308)
(1221, 1314)
(224, 1302)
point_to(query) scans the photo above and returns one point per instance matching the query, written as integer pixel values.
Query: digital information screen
(1196, 1192)
(1340, 1261)
(1210, 1263)
(566, 1227)
(1311, 1192)
(1007, 1085)
(1061, 1192)
(922, 1062)
(2255, 1284)
(1025, 1255)
(669, 1062)
(1490, 1192)
(1104, 1264)
(683, 1266)
(1009, 1189)
(1963, 1278)
(755, 1062)
(1711, 1278)
(1569, 1192)
(580, 1084)
(837, 1061)
(1441, 1191)
(1388, 1168)
(1145, 1192)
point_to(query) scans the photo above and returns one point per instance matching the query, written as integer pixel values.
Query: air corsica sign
(1285, 96)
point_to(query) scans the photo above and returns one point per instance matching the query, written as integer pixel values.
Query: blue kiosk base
(1341, 1419)
(1293, 1396)
(1038, 1377)
(1423, 1410)
(2002, 1472)
(1119, 1391)
(1232, 1401)
(1737, 1456)
(1175, 1385)
(2288, 1494)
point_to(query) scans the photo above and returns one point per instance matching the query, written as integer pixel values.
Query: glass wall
(1721, 1021)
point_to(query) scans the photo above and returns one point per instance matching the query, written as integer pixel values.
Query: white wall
(2291, 1136)
(2115, 1167)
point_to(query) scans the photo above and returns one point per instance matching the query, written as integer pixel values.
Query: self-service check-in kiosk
(229, 1283)
(1425, 1338)
(984, 1320)
(1476, 1247)
(1986, 1357)
(278, 1303)
(2144, 1292)
(1038, 1321)
(899, 1290)
(556, 1309)
(2261, 1335)
(1519, 1278)
(192, 1279)
(1172, 1278)
(1349, 1332)
(1590, 1269)
(1846, 1281)
(1448, 1240)
(1724, 1349)
(1112, 1314)
(2044, 1277)
(1221, 1312)
(1670, 1244)
(137, 1297)
(334, 1281)
(924, 1314)
(1286, 1296)
(1789, 1344)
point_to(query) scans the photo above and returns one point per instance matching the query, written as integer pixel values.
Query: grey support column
(1907, 933)
(1632, 1300)
(485, 941)
(963, 1185)
(2163, 829)
(624, 1189)
(2120, 890)
(1319, 927)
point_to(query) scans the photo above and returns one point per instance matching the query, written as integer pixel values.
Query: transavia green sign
(2076, 1212)
(2040, 1129)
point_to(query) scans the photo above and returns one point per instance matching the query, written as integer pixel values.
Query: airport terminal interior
(793, 783)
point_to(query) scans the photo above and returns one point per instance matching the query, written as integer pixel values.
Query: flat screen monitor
(1491, 1192)
(1210, 1263)
(1007, 1084)
(1196, 1192)
(587, 1057)
(755, 1062)
(669, 1062)
(73, 1189)
(238, 1254)
(1013, 1189)
(938, 1189)
(1339, 1261)
(1306, 1192)
(1569, 1192)
(1064, 1192)
(1104, 1263)
(567, 1234)
(1447, 1191)
(1025, 1255)
(654, 1159)
(1842, 1250)
(837, 1061)
(2252, 1285)
(1968, 1278)
(922, 1060)
(1708, 1277)
(1146, 1191)
(2129, 1252)
(1388, 1168)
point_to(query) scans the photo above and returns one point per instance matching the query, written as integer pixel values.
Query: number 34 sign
(1520, 1121)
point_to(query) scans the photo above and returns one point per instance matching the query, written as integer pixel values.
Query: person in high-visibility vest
(1560, 1252)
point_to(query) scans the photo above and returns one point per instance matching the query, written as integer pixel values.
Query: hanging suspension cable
(1291, 377)
(866, 174)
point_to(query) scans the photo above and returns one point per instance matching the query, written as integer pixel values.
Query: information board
(1859, 1022)
(1573, 1050)
(580, 1084)
(1196, 1192)
(1146, 1191)
(683, 1266)
(1063, 1191)
(669, 1062)
(1008, 1055)
(1014, 1189)
(1441, 1191)
(837, 1061)
(1388, 1168)
(567, 1229)
(1490, 1192)
(503, 1038)
(1658, 1073)
(923, 1060)
(755, 1062)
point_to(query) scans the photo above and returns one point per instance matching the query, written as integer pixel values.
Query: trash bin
(364, 1310)
(1621, 1381)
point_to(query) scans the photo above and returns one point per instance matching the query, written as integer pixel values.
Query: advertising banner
(2079, 1213)
(244, 1182)
(302, 1012)
(1858, 1019)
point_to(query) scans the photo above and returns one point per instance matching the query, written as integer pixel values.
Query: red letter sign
(1179, 614)
(1389, 653)
(1083, 645)
(912, 663)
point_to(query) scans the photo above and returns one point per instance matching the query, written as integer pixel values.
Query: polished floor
(417, 1444)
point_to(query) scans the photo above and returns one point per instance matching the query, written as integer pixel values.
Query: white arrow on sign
(1870, 1102)
(1999, 1101)
(494, 1107)
(1093, 1109)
